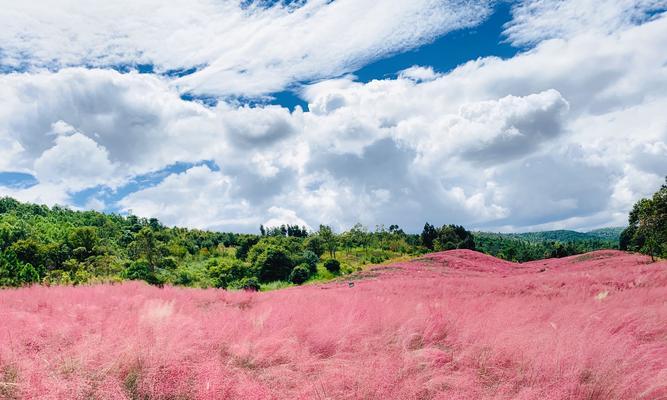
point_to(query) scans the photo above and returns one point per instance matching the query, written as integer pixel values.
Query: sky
(498, 115)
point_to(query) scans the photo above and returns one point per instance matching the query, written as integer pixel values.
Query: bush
(250, 283)
(140, 270)
(332, 265)
(13, 272)
(310, 259)
(272, 264)
(184, 277)
(300, 274)
(223, 274)
(168, 263)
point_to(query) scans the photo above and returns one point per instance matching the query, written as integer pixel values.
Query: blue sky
(521, 115)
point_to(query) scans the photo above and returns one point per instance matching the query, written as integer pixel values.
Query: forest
(57, 245)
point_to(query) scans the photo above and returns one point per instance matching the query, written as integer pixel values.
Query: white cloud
(245, 51)
(280, 216)
(568, 134)
(418, 73)
(75, 161)
(198, 197)
(538, 20)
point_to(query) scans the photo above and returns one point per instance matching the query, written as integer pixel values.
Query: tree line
(57, 245)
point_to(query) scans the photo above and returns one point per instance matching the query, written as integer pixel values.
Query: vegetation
(57, 245)
(592, 327)
(524, 247)
(647, 226)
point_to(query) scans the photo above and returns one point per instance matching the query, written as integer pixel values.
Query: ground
(450, 325)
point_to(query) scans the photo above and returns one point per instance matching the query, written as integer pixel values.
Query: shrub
(223, 274)
(250, 283)
(168, 263)
(272, 264)
(140, 270)
(310, 259)
(184, 277)
(13, 272)
(300, 274)
(332, 265)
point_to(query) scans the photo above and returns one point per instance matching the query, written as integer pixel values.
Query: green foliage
(60, 246)
(271, 262)
(332, 265)
(524, 247)
(14, 272)
(428, 236)
(245, 244)
(227, 271)
(314, 244)
(329, 240)
(249, 283)
(141, 270)
(299, 274)
(310, 259)
(451, 237)
(647, 225)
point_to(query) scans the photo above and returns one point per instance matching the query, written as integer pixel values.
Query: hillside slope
(451, 325)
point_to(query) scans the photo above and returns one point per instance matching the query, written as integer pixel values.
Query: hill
(449, 325)
(528, 246)
(61, 246)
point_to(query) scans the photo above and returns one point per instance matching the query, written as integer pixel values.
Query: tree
(310, 259)
(85, 239)
(647, 226)
(226, 272)
(245, 244)
(314, 244)
(329, 239)
(451, 237)
(272, 264)
(148, 247)
(428, 236)
(14, 272)
(141, 270)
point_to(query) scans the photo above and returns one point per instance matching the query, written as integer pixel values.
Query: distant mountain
(563, 235)
(607, 233)
(535, 245)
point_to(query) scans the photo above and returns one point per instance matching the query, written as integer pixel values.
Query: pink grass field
(452, 325)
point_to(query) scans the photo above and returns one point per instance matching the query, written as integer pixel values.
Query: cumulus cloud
(76, 161)
(198, 197)
(567, 134)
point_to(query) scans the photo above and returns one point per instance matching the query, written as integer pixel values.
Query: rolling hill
(449, 325)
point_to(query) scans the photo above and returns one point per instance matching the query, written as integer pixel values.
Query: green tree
(148, 247)
(310, 259)
(85, 238)
(314, 244)
(141, 270)
(329, 239)
(228, 271)
(272, 264)
(428, 236)
(14, 272)
(647, 225)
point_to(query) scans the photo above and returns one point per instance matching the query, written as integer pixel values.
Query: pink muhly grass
(452, 325)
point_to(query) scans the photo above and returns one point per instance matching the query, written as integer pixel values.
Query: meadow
(449, 325)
